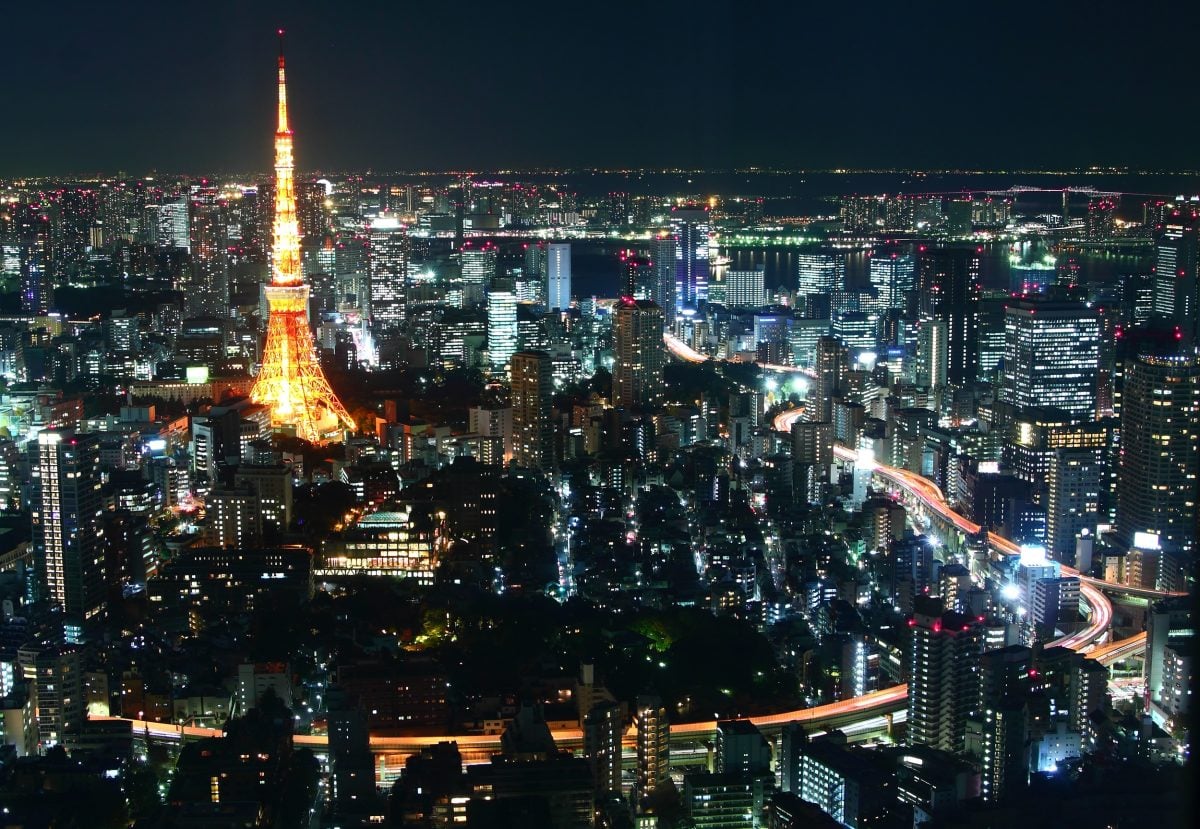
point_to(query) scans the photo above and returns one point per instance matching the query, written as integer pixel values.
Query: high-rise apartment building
(1160, 454)
(603, 727)
(1052, 356)
(933, 353)
(55, 674)
(30, 233)
(272, 483)
(207, 291)
(533, 434)
(741, 749)
(1003, 718)
(653, 734)
(235, 517)
(831, 364)
(558, 276)
(639, 354)
(66, 510)
(943, 668)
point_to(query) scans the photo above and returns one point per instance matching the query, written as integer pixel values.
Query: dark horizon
(700, 85)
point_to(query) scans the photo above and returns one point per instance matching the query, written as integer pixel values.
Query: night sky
(187, 86)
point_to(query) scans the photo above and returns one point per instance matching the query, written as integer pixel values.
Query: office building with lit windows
(894, 275)
(1052, 356)
(478, 269)
(501, 327)
(745, 288)
(1176, 261)
(820, 273)
(387, 272)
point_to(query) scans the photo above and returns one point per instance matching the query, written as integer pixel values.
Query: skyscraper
(533, 436)
(31, 227)
(948, 279)
(689, 227)
(932, 353)
(639, 354)
(1003, 717)
(893, 275)
(173, 229)
(478, 271)
(1052, 356)
(943, 667)
(558, 276)
(832, 364)
(820, 273)
(67, 530)
(387, 273)
(207, 292)
(1176, 259)
(532, 286)
(501, 325)
(1073, 487)
(73, 214)
(637, 276)
(1160, 454)
(662, 259)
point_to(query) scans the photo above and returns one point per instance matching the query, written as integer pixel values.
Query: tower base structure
(291, 382)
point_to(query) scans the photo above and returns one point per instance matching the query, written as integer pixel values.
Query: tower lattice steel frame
(290, 380)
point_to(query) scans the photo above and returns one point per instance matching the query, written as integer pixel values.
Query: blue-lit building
(689, 226)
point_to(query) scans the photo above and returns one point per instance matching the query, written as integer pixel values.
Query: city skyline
(417, 87)
(598, 499)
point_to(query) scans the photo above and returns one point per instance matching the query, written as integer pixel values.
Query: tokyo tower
(290, 381)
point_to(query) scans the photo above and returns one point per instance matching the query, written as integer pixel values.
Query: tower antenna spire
(283, 113)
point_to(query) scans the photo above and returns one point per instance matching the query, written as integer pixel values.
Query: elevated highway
(859, 716)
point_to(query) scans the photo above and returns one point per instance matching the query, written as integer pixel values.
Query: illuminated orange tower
(290, 381)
